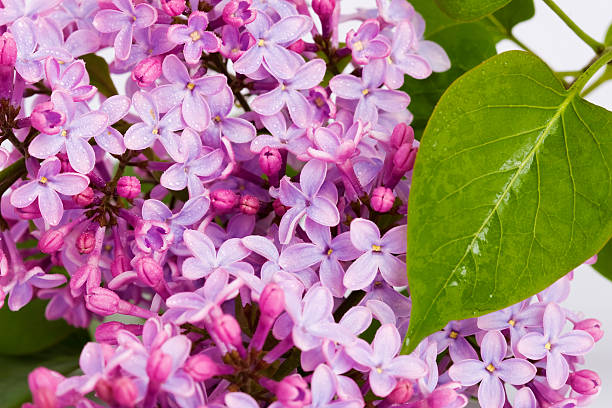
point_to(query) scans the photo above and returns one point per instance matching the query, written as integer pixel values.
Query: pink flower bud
(402, 392)
(104, 390)
(299, 46)
(119, 265)
(228, 330)
(585, 382)
(51, 241)
(128, 187)
(43, 384)
(201, 368)
(125, 392)
(270, 161)
(293, 392)
(86, 242)
(31, 212)
(102, 301)
(591, 326)
(47, 120)
(159, 366)
(146, 72)
(279, 208)
(402, 134)
(8, 50)
(382, 199)
(272, 301)
(323, 8)
(238, 13)
(223, 200)
(66, 167)
(149, 271)
(107, 332)
(173, 7)
(84, 198)
(249, 204)
(403, 160)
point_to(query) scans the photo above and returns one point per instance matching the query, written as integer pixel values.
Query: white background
(548, 37)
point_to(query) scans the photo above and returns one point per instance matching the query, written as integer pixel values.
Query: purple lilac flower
(555, 346)
(73, 135)
(149, 42)
(307, 200)
(187, 92)
(236, 130)
(29, 62)
(290, 138)
(206, 259)
(324, 385)
(152, 128)
(124, 21)
(395, 11)
(322, 250)
(195, 37)
(382, 361)
(48, 183)
(269, 49)
(366, 43)
(72, 80)
(288, 93)
(192, 163)
(79, 42)
(14, 9)
(453, 337)
(366, 91)
(234, 43)
(492, 370)
(378, 255)
(21, 289)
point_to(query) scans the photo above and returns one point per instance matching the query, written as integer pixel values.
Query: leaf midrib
(543, 135)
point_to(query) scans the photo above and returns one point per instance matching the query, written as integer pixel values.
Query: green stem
(508, 34)
(590, 41)
(582, 80)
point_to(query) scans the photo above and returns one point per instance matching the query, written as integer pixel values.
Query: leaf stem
(600, 62)
(590, 41)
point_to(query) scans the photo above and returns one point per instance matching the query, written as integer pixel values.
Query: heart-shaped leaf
(512, 188)
(468, 10)
(99, 74)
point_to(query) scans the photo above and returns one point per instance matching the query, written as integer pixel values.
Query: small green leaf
(512, 189)
(99, 75)
(604, 261)
(63, 358)
(469, 10)
(28, 331)
(608, 40)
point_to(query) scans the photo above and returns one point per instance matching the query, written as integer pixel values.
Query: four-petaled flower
(48, 183)
(195, 37)
(492, 370)
(366, 43)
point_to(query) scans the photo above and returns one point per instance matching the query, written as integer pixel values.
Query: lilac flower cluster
(244, 198)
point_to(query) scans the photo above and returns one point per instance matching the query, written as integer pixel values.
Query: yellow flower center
(64, 133)
(155, 131)
(195, 36)
(43, 180)
(217, 118)
(548, 346)
(358, 46)
(190, 86)
(453, 334)
(261, 43)
(490, 368)
(330, 251)
(283, 87)
(379, 370)
(511, 322)
(365, 92)
(376, 248)
(319, 102)
(389, 60)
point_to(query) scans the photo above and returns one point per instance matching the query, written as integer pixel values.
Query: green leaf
(99, 75)
(503, 20)
(469, 10)
(604, 261)
(29, 331)
(512, 189)
(608, 40)
(63, 358)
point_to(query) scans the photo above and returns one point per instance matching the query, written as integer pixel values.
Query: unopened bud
(159, 366)
(223, 200)
(128, 187)
(46, 119)
(272, 301)
(102, 301)
(149, 271)
(8, 50)
(86, 242)
(228, 330)
(591, 326)
(382, 199)
(402, 392)
(323, 8)
(125, 392)
(402, 134)
(270, 161)
(201, 367)
(403, 160)
(237, 13)
(51, 241)
(279, 208)
(104, 390)
(585, 382)
(84, 198)
(249, 204)
(299, 46)
(293, 392)
(173, 7)
(146, 72)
